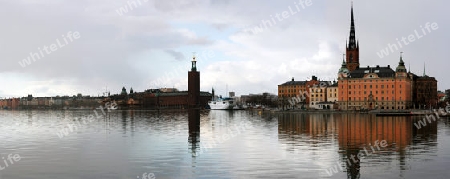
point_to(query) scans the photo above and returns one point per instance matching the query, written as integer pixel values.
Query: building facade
(367, 88)
(375, 88)
(296, 90)
(332, 93)
(425, 92)
(319, 96)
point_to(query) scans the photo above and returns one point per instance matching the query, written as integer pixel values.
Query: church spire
(352, 38)
(352, 50)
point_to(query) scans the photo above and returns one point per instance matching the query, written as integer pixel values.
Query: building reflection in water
(356, 135)
(194, 130)
(127, 120)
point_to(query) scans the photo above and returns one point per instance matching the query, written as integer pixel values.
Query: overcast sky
(151, 45)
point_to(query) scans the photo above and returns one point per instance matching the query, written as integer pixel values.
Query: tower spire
(352, 38)
(352, 51)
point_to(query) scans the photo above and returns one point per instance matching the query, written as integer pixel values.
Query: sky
(63, 47)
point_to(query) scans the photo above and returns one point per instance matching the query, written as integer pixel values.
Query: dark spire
(344, 65)
(352, 38)
(401, 65)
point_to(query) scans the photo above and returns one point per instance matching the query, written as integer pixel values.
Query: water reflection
(194, 130)
(358, 138)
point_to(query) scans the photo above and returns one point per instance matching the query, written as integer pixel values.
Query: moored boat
(222, 103)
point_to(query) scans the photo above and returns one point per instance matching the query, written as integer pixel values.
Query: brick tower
(193, 85)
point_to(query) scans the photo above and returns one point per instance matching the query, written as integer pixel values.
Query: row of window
(372, 81)
(365, 98)
(376, 103)
(365, 92)
(370, 86)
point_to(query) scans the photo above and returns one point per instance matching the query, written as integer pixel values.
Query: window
(370, 86)
(349, 98)
(365, 86)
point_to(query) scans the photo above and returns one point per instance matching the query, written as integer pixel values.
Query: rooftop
(382, 72)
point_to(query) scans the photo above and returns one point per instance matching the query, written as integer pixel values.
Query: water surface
(223, 144)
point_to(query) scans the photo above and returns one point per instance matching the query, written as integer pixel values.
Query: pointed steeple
(352, 39)
(352, 50)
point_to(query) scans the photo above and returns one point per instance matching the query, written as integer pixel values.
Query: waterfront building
(318, 96)
(378, 87)
(332, 93)
(375, 88)
(296, 89)
(425, 91)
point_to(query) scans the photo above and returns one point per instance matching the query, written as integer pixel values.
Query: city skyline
(248, 50)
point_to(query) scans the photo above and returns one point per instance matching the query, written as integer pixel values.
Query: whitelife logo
(407, 40)
(71, 36)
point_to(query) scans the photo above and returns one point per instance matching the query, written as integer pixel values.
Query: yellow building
(332, 93)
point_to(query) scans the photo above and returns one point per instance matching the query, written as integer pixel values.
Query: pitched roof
(294, 83)
(382, 72)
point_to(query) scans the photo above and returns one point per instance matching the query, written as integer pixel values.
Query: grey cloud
(175, 54)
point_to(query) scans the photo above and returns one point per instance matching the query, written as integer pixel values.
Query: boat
(222, 104)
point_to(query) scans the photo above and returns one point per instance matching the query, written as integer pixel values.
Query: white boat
(222, 103)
